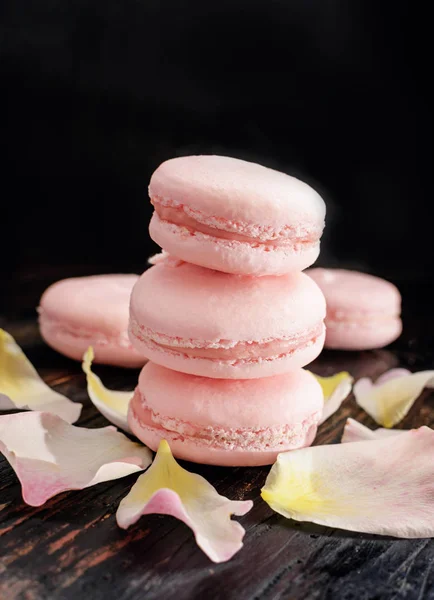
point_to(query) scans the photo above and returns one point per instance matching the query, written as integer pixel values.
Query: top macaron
(235, 216)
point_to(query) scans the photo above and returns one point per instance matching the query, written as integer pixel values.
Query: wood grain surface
(72, 548)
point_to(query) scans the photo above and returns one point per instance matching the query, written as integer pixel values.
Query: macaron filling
(226, 350)
(339, 318)
(260, 439)
(194, 222)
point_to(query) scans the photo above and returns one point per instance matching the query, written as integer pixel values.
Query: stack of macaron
(225, 316)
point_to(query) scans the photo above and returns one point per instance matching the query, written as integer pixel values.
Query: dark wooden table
(71, 548)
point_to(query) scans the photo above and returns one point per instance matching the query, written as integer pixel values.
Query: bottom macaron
(225, 422)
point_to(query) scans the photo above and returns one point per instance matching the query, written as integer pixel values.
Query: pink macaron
(90, 311)
(213, 324)
(363, 311)
(235, 216)
(225, 422)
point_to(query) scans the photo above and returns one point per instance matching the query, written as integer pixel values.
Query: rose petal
(389, 399)
(158, 258)
(167, 488)
(50, 456)
(392, 374)
(166, 258)
(356, 432)
(335, 389)
(385, 486)
(113, 405)
(22, 388)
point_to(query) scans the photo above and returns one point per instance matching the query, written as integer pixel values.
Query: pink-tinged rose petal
(391, 374)
(335, 390)
(357, 432)
(384, 486)
(390, 398)
(50, 456)
(165, 257)
(166, 488)
(22, 388)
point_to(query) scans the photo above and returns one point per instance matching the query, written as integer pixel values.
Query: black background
(97, 94)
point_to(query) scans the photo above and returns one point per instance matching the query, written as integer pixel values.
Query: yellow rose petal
(22, 388)
(390, 398)
(384, 486)
(110, 403)
(167, 488)
(335, 389)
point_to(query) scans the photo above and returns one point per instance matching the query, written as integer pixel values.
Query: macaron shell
(192, 302)
(230, 256)
(362, 335)
(118, 352)
(267, 402)
(237, 190)
(353, 292)
(98, 302)
(93, 311)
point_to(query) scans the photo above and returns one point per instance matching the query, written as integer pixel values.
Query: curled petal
(391, 374)
(166, 258)
(50, 456)
(22, 388)
(113, 405)
(167, 488)
(335, 389)
(357, 432)
(390, 398)
(384, 486)
(158, 258)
